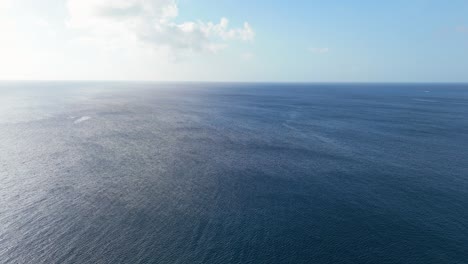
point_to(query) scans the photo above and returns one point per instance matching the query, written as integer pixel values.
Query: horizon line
(239, 82)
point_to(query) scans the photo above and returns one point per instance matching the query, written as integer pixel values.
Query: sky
(235, 40)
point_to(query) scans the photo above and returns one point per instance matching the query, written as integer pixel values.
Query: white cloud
(4, 5)
(319, 50)
(42, 22)
(120, 23)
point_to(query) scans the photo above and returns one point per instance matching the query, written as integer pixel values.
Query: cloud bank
(319, 50)
(115, 23)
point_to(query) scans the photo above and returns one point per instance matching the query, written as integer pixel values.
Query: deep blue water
(233, 173)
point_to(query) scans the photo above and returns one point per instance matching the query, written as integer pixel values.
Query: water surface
(233, 173)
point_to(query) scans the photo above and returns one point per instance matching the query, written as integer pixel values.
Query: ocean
(135, 172)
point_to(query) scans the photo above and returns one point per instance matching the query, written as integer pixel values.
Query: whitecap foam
(425, 100)
(82, 119)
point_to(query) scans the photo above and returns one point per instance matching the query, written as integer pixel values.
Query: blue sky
(208, 40)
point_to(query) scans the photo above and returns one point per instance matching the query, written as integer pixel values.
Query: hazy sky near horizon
(235, 40)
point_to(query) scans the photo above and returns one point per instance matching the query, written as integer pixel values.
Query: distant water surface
(102, 172)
